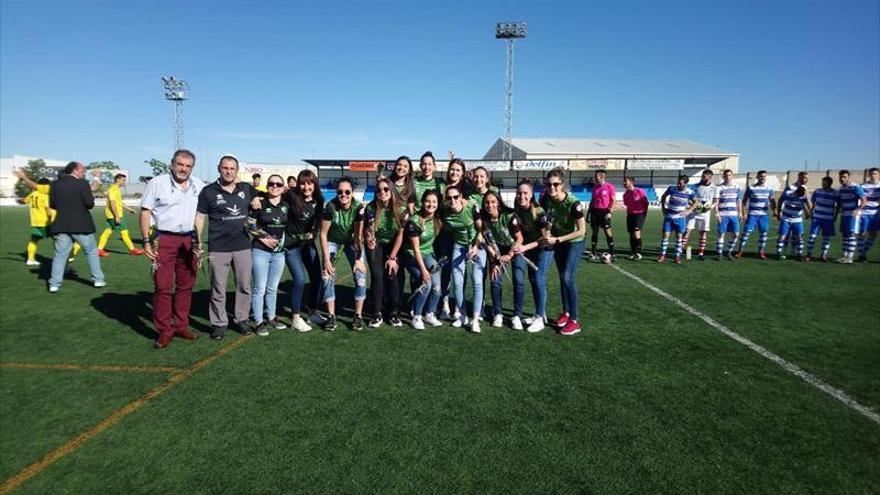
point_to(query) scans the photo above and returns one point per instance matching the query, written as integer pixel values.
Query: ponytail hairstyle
(533, 205)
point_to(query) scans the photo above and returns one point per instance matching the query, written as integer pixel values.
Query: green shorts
(38, 233)
(112, 225)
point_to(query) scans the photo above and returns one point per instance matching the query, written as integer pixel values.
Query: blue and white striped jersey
(758, 198)
(793, 206)
(849, 198)
(728, 199)
(825, 204)
(872, 191)
(678, 200)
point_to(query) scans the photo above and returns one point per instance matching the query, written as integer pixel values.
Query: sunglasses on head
(275, 184)
(343, 192)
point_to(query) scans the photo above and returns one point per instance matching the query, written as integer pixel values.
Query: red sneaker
(571, 328)
(562, 320)
(762, 255)
(678, 260)
(135, 252)
(103, 253)
(661, 259)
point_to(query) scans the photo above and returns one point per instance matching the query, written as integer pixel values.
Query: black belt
(181, 234)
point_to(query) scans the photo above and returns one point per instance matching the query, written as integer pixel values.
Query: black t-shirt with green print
(504, 228)
(563, 215)
(530, 224)
(383, 223)
(426, 234)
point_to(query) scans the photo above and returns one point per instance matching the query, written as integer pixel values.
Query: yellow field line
(92, 367)
(115, 417)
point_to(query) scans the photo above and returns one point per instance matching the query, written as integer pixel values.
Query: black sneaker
(277, 324)
(376, 322)
(243, 328)
(863, 259)
(329, 324)
(262, 330)
(217, 333)
(357, 323)
(395, 321)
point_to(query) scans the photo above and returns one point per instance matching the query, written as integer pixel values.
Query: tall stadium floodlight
(176, 91)
(510, 32)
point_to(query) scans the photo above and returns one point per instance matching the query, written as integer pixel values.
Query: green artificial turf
(648, 398)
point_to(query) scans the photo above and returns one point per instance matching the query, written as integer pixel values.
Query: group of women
(442, 232)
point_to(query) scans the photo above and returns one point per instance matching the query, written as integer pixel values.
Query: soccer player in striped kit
(728, 210)
(793, 206)
(824, 216)
(682, 201)
(870, 219)
(852, 200)
(756, 201)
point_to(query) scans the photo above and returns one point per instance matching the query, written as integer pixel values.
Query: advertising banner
(610, 164)
(539, 164)
(655, 164)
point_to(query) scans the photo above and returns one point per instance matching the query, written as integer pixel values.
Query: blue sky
(781, 82)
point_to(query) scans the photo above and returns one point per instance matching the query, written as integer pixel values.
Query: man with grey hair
(72, 198)
(225, 203)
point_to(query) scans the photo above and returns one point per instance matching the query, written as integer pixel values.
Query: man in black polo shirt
(225, 202)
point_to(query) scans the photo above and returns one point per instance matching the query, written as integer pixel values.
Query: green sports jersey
(563, 215)
(461, 224)
(384, 225)
(342, 221)
(504, 228)
(427, 185)
(530, 224)
(426, 235)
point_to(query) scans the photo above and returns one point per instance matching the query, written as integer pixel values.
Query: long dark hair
(393, 202)
(409, 189)
(502, 208)
(434, 216)
(296, 197)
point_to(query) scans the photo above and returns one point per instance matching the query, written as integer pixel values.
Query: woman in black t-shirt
(306, 204)
(267, 226)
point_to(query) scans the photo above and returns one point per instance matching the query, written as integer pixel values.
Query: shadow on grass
(135, 311)
(44, 271)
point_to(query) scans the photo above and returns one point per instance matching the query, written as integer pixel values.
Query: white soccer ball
(606, 258)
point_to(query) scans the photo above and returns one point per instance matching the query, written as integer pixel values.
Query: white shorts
(700, 222)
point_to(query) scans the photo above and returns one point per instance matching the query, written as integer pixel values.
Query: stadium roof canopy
(574, 148)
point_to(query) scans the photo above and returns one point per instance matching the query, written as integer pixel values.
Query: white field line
(791, 368)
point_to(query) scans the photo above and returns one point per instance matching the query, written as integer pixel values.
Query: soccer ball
(606, 258)
(703, 207)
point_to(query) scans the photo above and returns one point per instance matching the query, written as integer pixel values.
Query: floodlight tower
(510, 32)
(176, 91)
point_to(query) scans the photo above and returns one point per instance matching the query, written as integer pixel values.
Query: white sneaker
(531, 319)
(417, 323)
(460, 322)
(432, 320)
(300, 325)
(536, 326)
(516, 323)
(32, 263)
(99, 283)
(317, 318)
(53, 289)
(638, 256)
(444, 312)
(457, 314)
(475, 325)
(498, 321)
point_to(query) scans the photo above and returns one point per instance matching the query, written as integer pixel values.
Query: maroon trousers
(174, 278)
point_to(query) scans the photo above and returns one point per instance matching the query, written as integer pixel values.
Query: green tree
(35, 171)
(159, 167)
(103, 170)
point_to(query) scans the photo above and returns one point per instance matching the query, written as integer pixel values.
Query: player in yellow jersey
(41, 216)
(116, 218)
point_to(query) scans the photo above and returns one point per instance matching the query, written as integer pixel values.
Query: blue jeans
(63, 245)
(267, 270)
(328, 286)
(430, 294)
(518, 267)
(538, 280)
(478, 273)
(297, 269)
(567, 255)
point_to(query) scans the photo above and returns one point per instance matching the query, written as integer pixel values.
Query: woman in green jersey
(340, 229)
(423, 266)
(565, 234)
(460, 219)
(501, 230)
(531, 224)
(384, 218)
